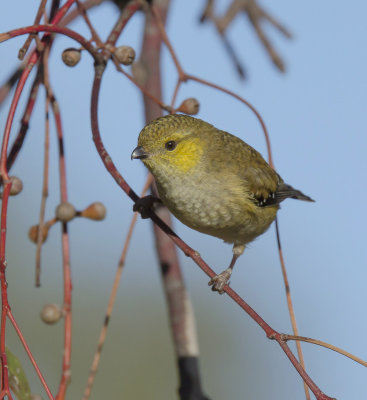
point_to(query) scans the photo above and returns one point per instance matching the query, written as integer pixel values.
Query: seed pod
(36, 397)
(51, 313)
(65, 212)
(124, 55)
(71, 57)
(33, 233)
(16, 185)
(189, 106)
(95, 211)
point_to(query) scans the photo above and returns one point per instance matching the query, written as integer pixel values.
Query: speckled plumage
(211, 180)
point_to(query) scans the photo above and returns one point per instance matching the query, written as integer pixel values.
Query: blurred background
(316, 116)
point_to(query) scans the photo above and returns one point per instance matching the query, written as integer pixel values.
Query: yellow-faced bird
(212, 181)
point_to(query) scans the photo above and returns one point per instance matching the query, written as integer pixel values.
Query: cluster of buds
(123, 54)
(65, 212)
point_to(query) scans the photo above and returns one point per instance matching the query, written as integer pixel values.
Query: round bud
(51, 313)
(124, 55)
(189, 106)
(33, 233)
(16, 186)
(71, 57)
(96, 211)
(65, 212)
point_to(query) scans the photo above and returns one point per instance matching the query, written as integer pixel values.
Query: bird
(212, 181)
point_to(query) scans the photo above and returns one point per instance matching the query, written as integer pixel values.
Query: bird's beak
(139, 153)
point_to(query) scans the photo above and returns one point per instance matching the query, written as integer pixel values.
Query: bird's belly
(205, 212)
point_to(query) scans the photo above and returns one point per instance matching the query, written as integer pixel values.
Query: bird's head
(174, 142)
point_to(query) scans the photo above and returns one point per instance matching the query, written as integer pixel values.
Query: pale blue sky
(316, 116)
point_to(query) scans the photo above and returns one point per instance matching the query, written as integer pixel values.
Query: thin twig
(83, 13)
(45, 168)
(44, 194)
(290, 303)
(247, 103)
(129, 10)
(326, 345)
(30, 355)
(167, 42)
(66, 374)
(73, 14)
(141, 88)
(111, 301)
(40, 12)
(175, 93)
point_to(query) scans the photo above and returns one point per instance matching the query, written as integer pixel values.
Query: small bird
(212, 181)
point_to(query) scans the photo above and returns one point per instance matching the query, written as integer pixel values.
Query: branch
(188, 251)
(326, 345)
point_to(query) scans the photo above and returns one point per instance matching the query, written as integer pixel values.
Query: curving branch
(187, 250)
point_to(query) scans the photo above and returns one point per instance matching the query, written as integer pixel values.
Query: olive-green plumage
(211, 180)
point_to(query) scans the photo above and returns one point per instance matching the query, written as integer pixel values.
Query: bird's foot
(219, 281)
(145, 204)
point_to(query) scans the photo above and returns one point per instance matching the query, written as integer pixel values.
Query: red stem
(5, 310)
(7, 185)
(47, 29)
(4, 379)
(30, 355)
(4, 288)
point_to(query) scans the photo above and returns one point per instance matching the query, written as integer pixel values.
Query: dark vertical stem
(179, 306)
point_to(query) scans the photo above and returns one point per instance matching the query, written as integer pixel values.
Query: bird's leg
(219, 281)
(145, 204)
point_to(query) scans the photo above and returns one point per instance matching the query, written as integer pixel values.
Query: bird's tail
(285, 191)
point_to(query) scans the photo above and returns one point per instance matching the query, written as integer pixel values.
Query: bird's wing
(261, 180)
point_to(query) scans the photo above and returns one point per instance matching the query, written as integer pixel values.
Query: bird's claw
(219, 281)
(145, 204)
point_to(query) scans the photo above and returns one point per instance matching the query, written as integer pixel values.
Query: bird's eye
(171, 145)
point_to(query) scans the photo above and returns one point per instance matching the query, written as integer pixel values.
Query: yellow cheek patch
(186, 155)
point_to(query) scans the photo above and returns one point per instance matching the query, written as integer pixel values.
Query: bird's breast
(214, 206)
